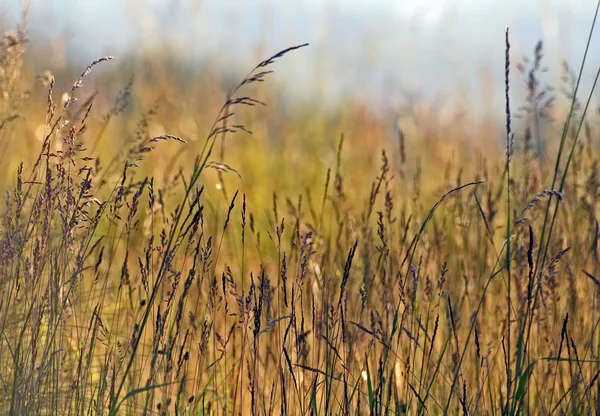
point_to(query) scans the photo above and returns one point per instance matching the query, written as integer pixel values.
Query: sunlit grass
(181, 246)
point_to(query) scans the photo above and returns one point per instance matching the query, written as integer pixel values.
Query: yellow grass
(309, 276)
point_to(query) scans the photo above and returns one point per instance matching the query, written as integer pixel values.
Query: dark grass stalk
(563, 335)
(243, 272)
(507, 263)
(595, 306)
(457, 371)
(214, 312)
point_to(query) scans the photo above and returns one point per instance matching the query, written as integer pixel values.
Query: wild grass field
(173, 245)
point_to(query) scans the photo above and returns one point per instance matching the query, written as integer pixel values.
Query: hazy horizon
(371, 51)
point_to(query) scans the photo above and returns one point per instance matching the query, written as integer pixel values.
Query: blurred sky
(368, 49)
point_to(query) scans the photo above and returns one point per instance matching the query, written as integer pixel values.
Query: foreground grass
(320, 275)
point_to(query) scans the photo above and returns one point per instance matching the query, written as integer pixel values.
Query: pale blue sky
(374, 48)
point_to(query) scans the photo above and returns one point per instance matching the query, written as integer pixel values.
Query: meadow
(193, 245)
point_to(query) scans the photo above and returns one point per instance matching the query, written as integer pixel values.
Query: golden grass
(157, 258)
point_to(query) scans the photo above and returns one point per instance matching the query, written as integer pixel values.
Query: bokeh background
(430, 72)
(376, 51)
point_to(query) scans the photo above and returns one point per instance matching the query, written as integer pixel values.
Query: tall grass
(281, 265)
